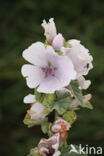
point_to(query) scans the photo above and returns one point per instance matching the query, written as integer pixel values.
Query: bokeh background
(19, 27)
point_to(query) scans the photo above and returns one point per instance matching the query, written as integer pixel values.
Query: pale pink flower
(49, 71)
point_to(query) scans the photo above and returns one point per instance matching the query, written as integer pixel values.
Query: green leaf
(33, 152)
(30, 122)
(87, 105)
(48, 99)
(70, 116)
(46, 110)
(50, 131)
(66, 151)
(62, 104)
(74, 87)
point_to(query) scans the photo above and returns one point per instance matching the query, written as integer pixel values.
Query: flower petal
(63, 75)
(30, 98)
(49, 85)
(65, 71)
(35, 54)
(33, 75)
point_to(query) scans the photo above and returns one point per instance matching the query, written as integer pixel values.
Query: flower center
(49, 70)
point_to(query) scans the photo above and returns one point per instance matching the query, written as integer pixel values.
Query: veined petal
(30, 98)
(35, 54)
(32, 74)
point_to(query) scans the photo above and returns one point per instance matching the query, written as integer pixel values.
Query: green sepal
(88, 105)
(66, 151)
(67, 44)
(45, 126)
(70, 116)
(76, 92)
(75, 108)
(33, 152)
(50, 131)
(59, 52)
(46, 43)
(46, 110)
(30, 122)
(62, 104)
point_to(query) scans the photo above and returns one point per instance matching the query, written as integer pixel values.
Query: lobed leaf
(70, 116)
(62, 104)
(45, 126)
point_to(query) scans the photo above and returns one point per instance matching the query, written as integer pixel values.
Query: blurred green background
(19, 27)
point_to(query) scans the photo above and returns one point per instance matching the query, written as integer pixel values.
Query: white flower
(49, 71)
(60, 125)
(50, 29)
(58, 42)
(84, 84)
(36, 110)
(76, 103)
(80, 57)
(49, 146)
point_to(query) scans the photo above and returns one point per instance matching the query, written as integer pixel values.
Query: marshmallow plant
(56, 71)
